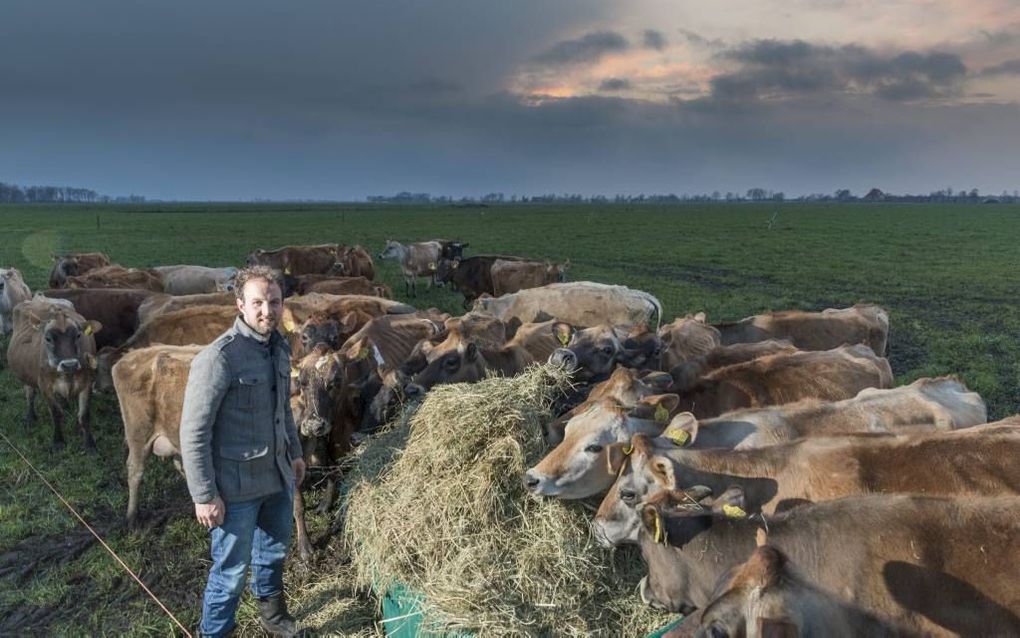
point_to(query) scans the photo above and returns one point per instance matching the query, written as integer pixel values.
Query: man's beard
(265, 326)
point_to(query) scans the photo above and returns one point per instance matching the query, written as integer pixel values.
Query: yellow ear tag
(286, 270)
(678, 437)
(88, 329)
(732, 511)
(627, 450)
(294, 373)
(288, 325)
(661, 413)
(362, 354)
(432, 265)
(660, 536)
(564, 338)
(91, 360)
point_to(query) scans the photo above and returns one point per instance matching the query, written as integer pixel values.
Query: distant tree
(874, 195)
(844, 195)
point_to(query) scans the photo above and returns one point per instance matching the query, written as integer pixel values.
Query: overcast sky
(329, 99)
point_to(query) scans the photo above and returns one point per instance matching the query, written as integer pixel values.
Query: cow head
(67, 343)
(455, 360)
(320, 328)
(227, 284)
(642, 348)
(687, 338)
(445, 268)
(669, 521)
(255, 257)
(392, 250)
(557, 273)
(579, 466)
(590, 353)
(65, 266)
(318, 379)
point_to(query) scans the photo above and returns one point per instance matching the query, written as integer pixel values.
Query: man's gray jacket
(237, 431)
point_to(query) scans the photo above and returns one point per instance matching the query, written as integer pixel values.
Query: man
(242, 456)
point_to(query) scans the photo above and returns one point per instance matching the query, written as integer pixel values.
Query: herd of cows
(777, 482)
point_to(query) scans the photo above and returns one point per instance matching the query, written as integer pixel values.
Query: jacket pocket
(242, 467)
(250, 388)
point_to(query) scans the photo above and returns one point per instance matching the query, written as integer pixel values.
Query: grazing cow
(299, 260)
(930, 565)
(686, 374)
(74, 264)
(52, 351)
(116, 308)
(687, 338)
(322, 402)
(356, 262)
(118, 277)
(472, 276)
(977, 462)
(415, 260)
(338, 305)
(196, 280)
(776, 379)
(460, 359)
(592, 353)
(159, 303)
(150, 385)
(13, 291)
(304, 284)
(579, 303)
(512, 276)
(862, 323)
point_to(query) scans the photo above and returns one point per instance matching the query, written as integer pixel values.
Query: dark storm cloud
(588, 48)
(699, 40)
(615, 84)
(652, 39)
(1009, 67)
(775, 68)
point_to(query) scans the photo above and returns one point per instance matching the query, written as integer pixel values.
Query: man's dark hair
(249, 273)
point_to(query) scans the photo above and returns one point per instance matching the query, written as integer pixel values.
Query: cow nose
(564, 357)
(69, 365)
(413, 391)
(531, 481)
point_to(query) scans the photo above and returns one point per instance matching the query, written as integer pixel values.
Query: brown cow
(116, 308)
(592, 353)
(52, 350)
(472, 276)
(687, 338)
(975, 462)
(464, 360)
(118, 277)
(685, 375)
(160, 302)
(415, 260)
(338, 305)
(150, 385)
(512, 276)
(74, 264)
(13, 290)
(935, 566)
(299, 260)
(356, 261)
(830, 375)
(305, 284)
(862, 323)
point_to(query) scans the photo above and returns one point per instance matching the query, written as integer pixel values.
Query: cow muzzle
(68, 366)
(565, 358)
(414, 391)
(314, 426)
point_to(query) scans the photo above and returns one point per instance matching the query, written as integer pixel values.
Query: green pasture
(947, 274)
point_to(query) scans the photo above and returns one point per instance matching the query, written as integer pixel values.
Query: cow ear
(662, 470)
(616, 454)
(700, 317)
(92, 327)
(657, 407)
(288, 323)
(348, 323)
(471, 351)
(730, 504)
(682, 430)
(654, 523)
(455, 263)
(563, 332)
(656, 380)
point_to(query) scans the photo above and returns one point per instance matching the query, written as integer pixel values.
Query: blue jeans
(255, 533)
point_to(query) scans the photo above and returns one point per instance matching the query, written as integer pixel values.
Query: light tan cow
(13, 290)
(830, 328)
(579, 303)
(161, 302)
(52, 350)
(513, 276)
(196, 280)
(415, 260)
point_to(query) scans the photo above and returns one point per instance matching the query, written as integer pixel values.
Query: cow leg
(84, 416)
(326, 503)
(57, 414)
(135, 467)
(304, 545)
(30, 414)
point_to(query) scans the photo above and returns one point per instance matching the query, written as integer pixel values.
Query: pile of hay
(436, 503)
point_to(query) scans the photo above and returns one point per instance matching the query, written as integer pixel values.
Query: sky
(332, 99)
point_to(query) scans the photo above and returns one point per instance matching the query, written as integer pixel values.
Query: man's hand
(299, 471)
(210, 514)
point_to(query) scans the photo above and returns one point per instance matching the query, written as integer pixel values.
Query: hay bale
(436, 503)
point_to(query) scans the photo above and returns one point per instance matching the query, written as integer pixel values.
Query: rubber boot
(274, 618)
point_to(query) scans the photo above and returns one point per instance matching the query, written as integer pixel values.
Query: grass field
(948, 275)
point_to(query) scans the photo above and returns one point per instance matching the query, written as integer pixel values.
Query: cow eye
(718, 631)
(49, 337)
(607, 350)
(451, 363)
(594, 448)
(628, 496)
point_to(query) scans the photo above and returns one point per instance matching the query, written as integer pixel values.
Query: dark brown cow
(299, 260)
(52, 350)
(830, 375)
(118, 277)
(976, 462)
(115, 308)
(356, 261)
(160, 302)
(931, 565)
(150, 385)
(686, 374)
(831, 328)
(472, 276)
(74, 264)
